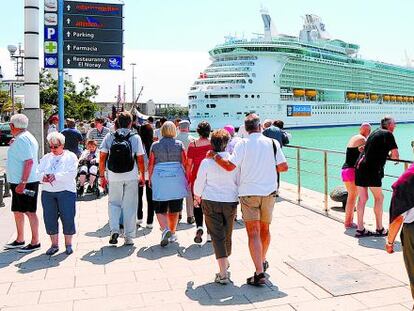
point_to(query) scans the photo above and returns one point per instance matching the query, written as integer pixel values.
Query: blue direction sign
(95, 48)
(93, 62)
(89, 8)
(50, 45)
(81, 34)
(92, 21)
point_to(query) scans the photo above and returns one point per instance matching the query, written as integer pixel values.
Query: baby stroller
(88, 173)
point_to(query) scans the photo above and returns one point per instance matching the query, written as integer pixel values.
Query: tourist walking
(369, 173)
(185, 137)
(216, 190)
(233, 138)
(98, 132)
(146, 133)
(402, 213)
(168, 181)
(353, 148)
(197, 151)
(22, 163)
(72, 137)
(258, 158)
(57, 171)
(125, 155)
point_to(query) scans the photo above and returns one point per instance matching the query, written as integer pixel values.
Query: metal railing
(299, 160)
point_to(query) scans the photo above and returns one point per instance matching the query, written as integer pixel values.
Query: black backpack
(120, 158)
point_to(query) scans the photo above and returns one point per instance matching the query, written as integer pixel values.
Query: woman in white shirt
(217, 191)
(57, 171)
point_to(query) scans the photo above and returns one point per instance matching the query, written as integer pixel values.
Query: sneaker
(149, 226)
(190, 220)
(129, 241)
(166, 234)
(29, 248)
(14, 245)
(208, 237)
(139, 222)
(173, 238)
(52, 250)
(69, 250)
(121, 232)
(222, 280)
(199, 233)
(114, 238)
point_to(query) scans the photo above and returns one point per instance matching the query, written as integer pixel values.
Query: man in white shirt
(125, 155)
(258, 158)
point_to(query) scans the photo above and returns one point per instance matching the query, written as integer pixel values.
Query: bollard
(1, 193)
(6, 187)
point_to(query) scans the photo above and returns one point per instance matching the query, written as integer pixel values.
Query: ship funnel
(269, 28)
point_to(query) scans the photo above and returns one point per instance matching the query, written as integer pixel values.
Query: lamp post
(133, 83)
(19, 60)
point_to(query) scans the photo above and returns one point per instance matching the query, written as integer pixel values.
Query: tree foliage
(174, 112)
(78, 103)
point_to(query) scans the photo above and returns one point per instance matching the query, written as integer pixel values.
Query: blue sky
(171, 38)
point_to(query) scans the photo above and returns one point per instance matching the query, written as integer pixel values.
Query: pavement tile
(21, 299)
(345, 303)
(4, 288)
(33, 286)
(173, 296)
(103, 279)
(61, 272)
(293, 295)
(58, 295)
(142, 286)
(396, 307)
(124, 302)
(15, 275)
(384, 297)
(61, 306)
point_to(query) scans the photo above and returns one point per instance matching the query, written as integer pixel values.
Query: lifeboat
(298, 92)
(399, 98)
(351, 96)
(374, 97)
(410, 98)
(405, 99)
(393, 98)
(310, 93)
(386, 97)
(361, 95)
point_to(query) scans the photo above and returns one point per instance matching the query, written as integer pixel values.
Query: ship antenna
(269, 28)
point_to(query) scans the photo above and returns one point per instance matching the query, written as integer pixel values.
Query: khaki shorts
(258, 207)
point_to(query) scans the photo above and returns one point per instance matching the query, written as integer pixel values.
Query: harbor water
(336, 138)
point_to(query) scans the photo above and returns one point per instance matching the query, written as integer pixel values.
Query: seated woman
(57, 171)
(216, 189)
(88, 166)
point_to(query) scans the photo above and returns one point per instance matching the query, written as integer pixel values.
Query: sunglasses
(54, 146)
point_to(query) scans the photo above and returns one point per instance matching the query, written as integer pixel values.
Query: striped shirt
(97, 136)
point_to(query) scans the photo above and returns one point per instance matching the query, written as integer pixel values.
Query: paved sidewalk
(180, 276)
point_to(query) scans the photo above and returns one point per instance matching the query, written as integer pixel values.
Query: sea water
(336, 138)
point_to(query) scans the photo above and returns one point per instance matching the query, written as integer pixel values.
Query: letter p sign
(50, 34)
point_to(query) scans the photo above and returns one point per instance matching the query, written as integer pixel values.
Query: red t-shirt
(197, 154)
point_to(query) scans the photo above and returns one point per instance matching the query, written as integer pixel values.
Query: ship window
(253, 75)
(208, 105)
(250, 81)
(226, 114)
(252, 96)
(234, 96)
(258, 96)
(239, 112)
(245, 96)
(192, 97)
(219, 96)
(206, 96)
(213, 106)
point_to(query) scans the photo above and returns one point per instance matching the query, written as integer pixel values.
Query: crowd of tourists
(213, 173)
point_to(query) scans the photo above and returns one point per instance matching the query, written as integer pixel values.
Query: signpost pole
(61, 86)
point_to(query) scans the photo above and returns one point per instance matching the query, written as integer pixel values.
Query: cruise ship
(307, 81)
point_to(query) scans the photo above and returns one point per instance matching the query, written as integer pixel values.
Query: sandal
(265, 265)
(363, 233)
(381, 232)
(256, 279)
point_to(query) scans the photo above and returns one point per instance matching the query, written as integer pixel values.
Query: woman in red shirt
(197, 151)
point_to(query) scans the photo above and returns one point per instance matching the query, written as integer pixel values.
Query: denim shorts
(61, 205)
